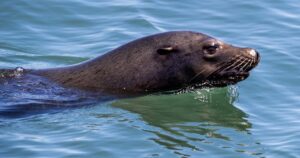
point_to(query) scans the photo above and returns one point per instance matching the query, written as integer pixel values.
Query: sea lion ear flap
(166, 50)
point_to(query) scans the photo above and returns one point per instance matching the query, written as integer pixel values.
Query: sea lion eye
(211, 49)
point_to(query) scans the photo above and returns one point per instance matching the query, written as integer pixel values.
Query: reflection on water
(29, 94)
(185, 123)
(193, 121)
(54, 33)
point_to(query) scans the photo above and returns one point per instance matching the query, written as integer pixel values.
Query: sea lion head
(183, 58)
(219, 64)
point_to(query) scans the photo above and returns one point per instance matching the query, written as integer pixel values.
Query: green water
(259, 117)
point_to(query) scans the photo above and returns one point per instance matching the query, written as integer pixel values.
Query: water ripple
(261, 120)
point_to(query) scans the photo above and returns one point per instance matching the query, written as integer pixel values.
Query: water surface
(257, 118)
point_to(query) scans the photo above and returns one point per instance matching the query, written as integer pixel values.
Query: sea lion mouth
(225, 78)
(229, 73)
(232, 72)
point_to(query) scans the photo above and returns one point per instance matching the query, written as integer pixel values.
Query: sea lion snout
(255, 54)
(251, 53)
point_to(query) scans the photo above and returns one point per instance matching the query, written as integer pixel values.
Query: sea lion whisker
(233, 64)
(225, 66)
(220, 68)
(197, 75)
(247, 64)
(252, 61)
(240, 64)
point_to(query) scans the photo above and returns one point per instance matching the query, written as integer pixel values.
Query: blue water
(257, 118)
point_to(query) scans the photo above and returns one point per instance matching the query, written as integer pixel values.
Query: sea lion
(161, 62)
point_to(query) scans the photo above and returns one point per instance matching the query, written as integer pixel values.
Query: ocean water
(259, 117)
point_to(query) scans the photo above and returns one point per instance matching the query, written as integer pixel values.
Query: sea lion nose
(257, 56)
(253, 53)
